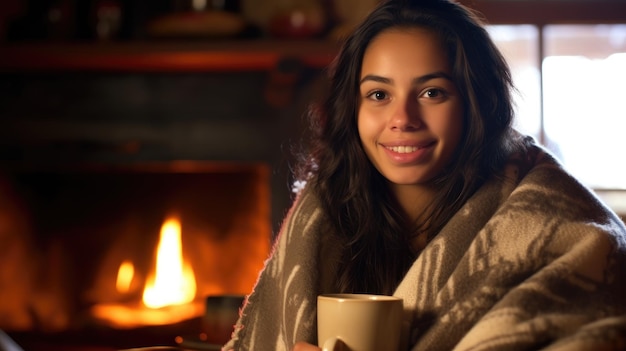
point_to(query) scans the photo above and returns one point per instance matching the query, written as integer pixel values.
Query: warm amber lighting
(174, 281)
(125, 277)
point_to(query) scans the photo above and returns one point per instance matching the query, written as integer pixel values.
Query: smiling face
(410, 116)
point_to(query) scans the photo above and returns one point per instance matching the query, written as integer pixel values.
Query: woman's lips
(409, 152)
(403, 149)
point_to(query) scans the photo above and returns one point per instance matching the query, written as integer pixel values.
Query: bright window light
(584, 83)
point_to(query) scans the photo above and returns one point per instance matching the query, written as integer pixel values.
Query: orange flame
(169, 292)
(125, 276)
(173, 282)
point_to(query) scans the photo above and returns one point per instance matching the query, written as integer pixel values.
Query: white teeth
(403, 149)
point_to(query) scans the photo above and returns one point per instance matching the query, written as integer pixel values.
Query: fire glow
(169, 292)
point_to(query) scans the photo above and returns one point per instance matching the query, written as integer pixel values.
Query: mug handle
(333, 344)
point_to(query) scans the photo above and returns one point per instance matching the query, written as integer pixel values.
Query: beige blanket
(532, 261)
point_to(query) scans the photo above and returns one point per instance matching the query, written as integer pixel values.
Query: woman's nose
(406, 116)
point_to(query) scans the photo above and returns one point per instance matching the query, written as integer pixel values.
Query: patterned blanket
(532, 261)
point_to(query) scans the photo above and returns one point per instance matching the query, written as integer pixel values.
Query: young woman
(417, 186)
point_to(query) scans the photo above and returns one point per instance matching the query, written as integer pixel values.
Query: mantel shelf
(167, 56)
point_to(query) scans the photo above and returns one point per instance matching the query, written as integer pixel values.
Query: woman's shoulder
(544, 188)
(305, 212)
(305, 198)
(526, 156)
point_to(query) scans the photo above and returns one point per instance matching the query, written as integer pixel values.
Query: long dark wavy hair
(353, 194)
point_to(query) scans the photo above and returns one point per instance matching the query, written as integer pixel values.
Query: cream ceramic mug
(359, 322)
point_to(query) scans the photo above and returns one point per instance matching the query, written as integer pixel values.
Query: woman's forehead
(411, 50)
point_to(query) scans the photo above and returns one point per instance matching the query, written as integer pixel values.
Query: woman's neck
(414, 201)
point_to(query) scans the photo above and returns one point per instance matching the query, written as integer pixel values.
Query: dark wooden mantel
(164, 56)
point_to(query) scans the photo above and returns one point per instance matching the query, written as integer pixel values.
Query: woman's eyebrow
(435, 75)
(418, 80)
(375, 78)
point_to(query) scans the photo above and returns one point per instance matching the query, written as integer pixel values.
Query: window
(584, 88)
(572, 97)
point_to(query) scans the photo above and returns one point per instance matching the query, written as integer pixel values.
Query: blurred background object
(287, 18)
(106, 19)
(198, 19)
(39, 20)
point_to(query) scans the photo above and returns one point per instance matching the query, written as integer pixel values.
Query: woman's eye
(433, 93)
(377, 95)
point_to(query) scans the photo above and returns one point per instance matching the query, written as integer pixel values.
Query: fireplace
(88, 243)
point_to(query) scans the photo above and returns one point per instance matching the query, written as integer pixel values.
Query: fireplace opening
(125, 255)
